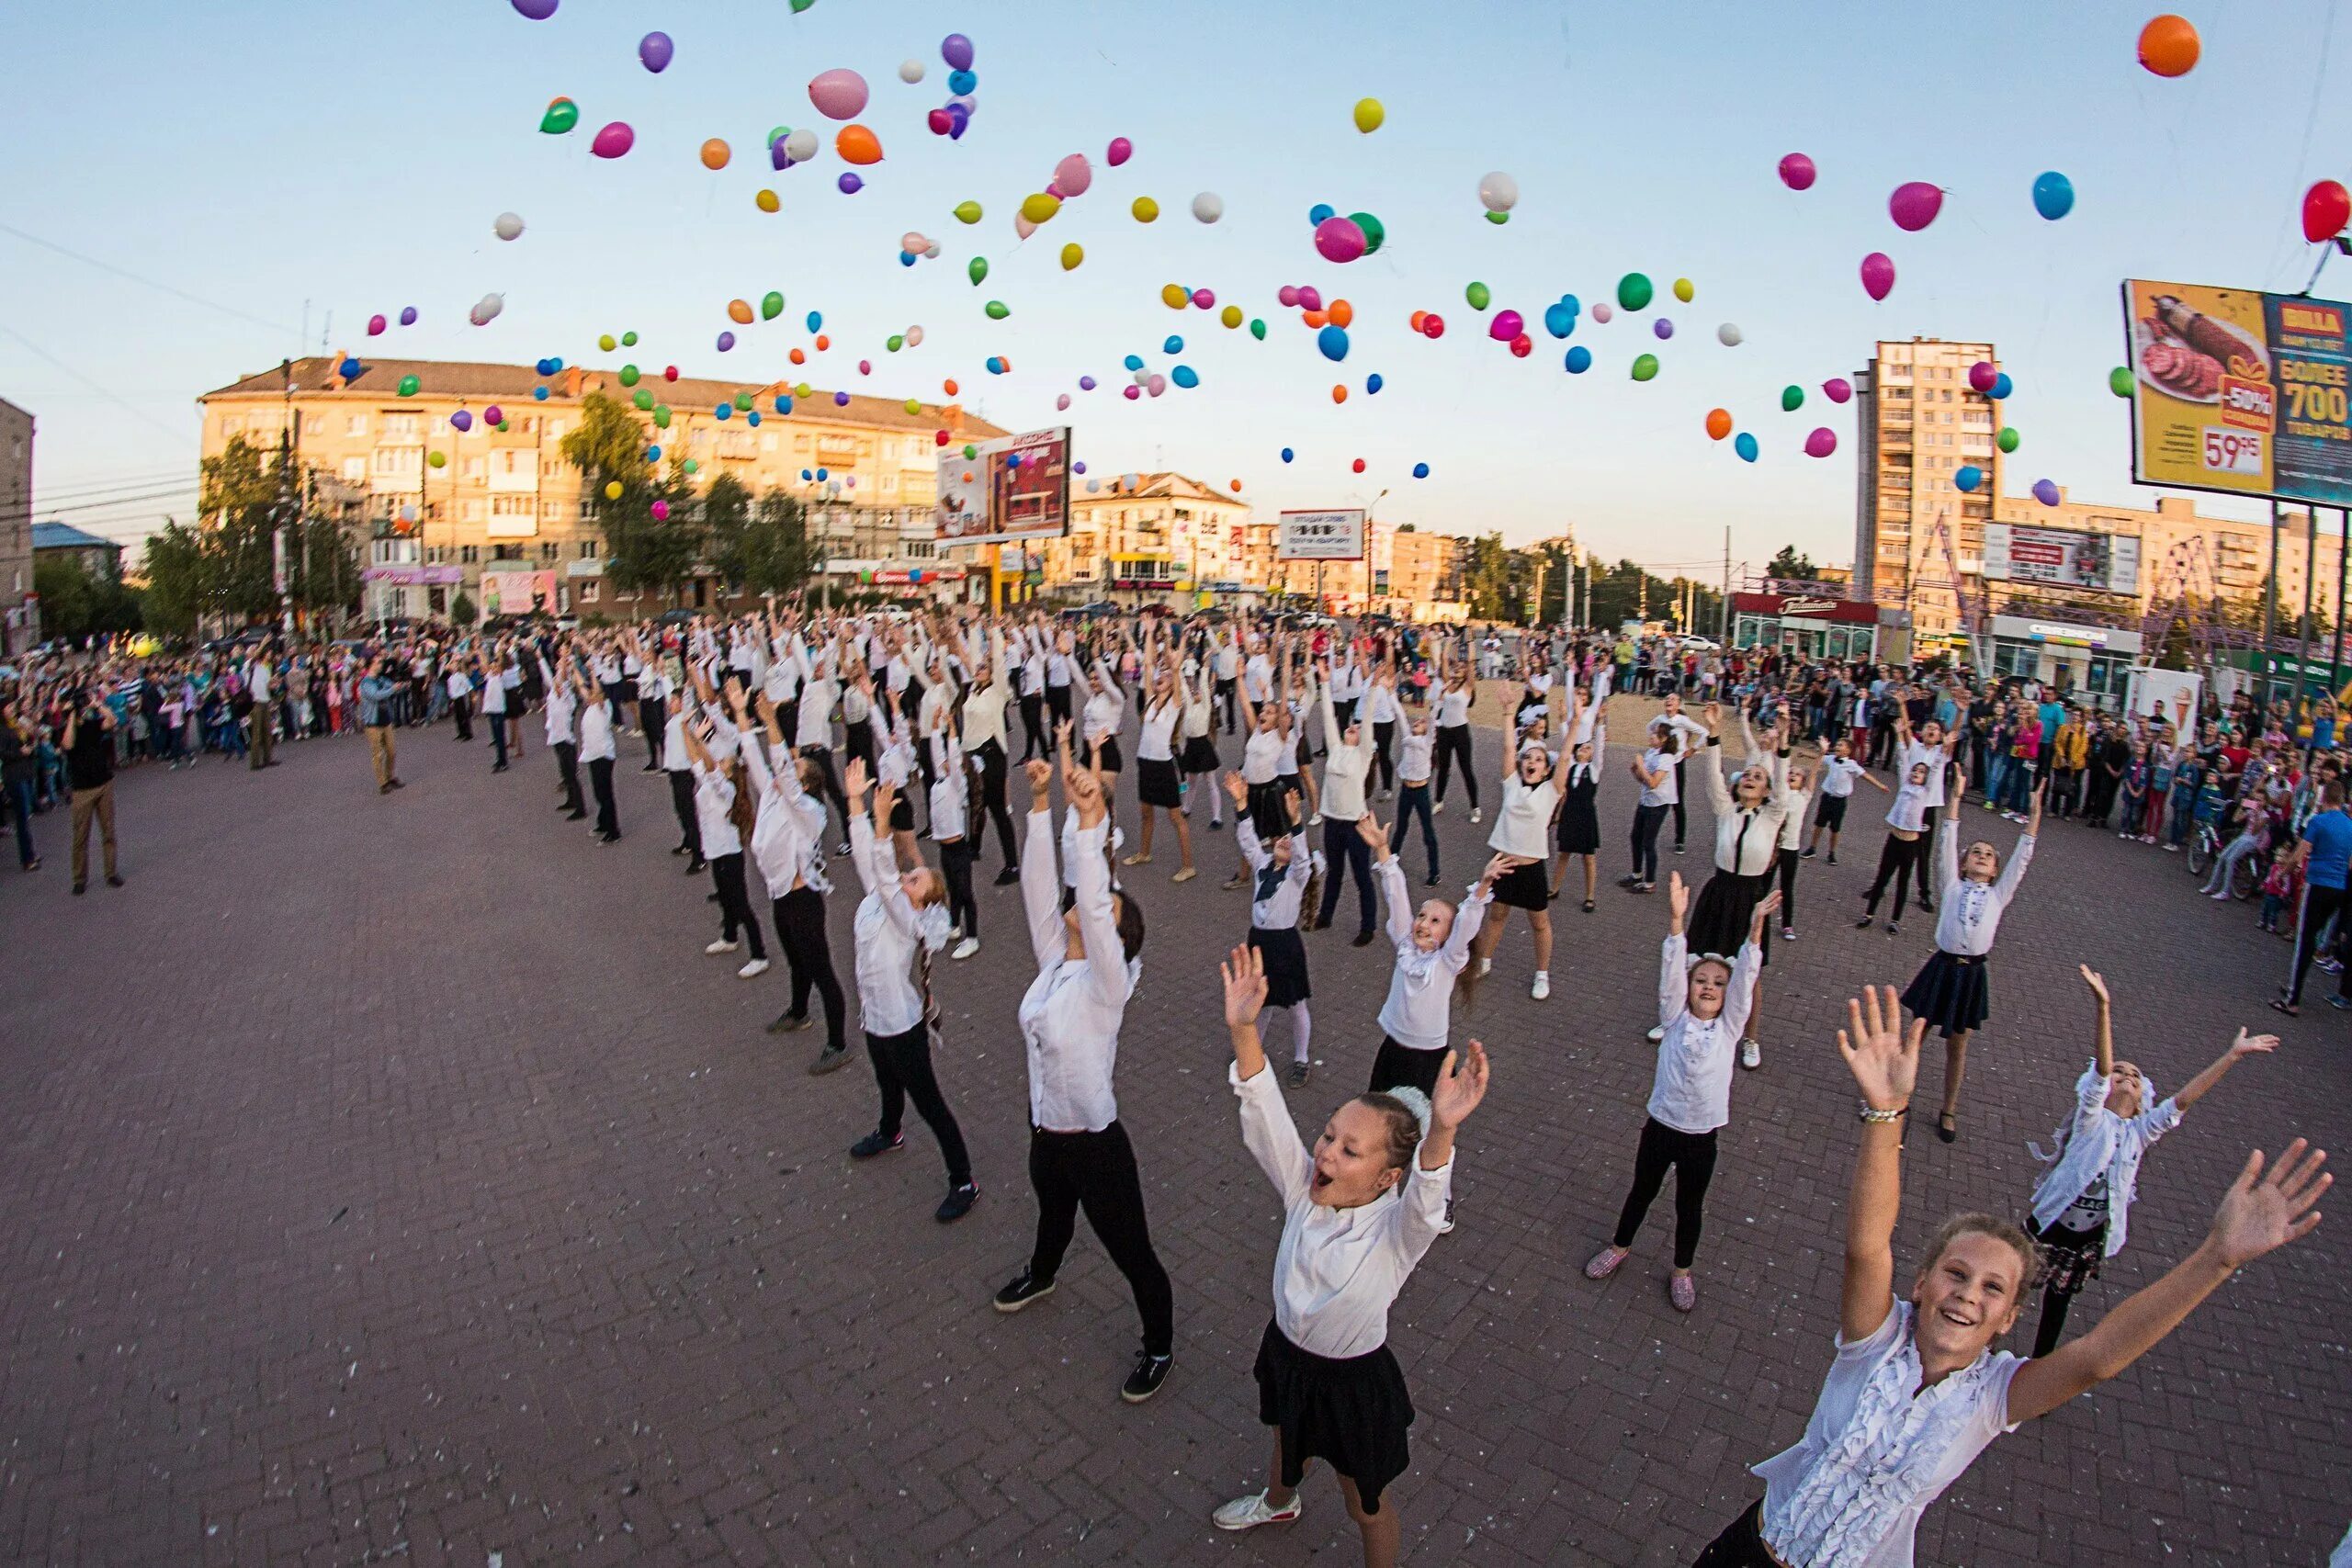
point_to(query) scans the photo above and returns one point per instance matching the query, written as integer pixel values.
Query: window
(588, 548)
(475, 467)
(468, 554)
(354, 470)
(403, 424)
(473, 512)
(890, 484)
(767, 441)
(357, 425)
(232, 425)
(589, 590)
(510, 506)
(548, 551)
(552, 510)
(315, 425)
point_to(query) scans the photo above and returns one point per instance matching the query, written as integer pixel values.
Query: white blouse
(1071, 1012)
(1748, 842)
(2097, 1146)
(1414, 751)
(1970, 916)
(1275, 900)
(1521, 827)
(1262, 756)
(889, 1001)
(714, 798)
(1691, 1091)
(1417, 1013)
(1156, 734)
(789, 831)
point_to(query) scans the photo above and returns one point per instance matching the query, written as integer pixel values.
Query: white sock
(1305, 1030)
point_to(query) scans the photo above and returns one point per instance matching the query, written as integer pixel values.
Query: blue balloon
(1319, 212)
(545, 367)
(653, 454)
(1133, 362)
(1420, 470)
(753, 418)
(784, 405)
(1184, 376)
(1744, 445)
(1373, 382)
(1333, 342)
(906, 258)
(1287, 454)
(1559, 320)
(1580, 360)
(1173, 345)
(961, 82)
(348, 370)
(1575, 306)
(555, 366)
(816, 320)
(1968, 479)
(539, 393)
(806, 475)
(2003, 386)
(725, 411)
(2053, 195)
(821, 476)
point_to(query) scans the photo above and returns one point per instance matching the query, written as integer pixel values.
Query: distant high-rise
(1918, 540)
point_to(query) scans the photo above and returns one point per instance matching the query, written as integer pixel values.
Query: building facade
(19, 609)
(2183, 553)
(96, 557)
(1159, 537)
(1918, 540)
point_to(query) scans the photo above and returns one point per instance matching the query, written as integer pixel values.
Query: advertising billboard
(1320, 535)
(2107, 563)
(1014, 488)
(2240, 391)
(519, 593)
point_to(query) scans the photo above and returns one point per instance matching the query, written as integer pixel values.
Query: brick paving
(396, 1178)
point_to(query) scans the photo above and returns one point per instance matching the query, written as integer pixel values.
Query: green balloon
(1791, 399)
(800, 6)
(1633, 292)
(998, 311)
(1257, 329)
(1478, 295)
(778, 134)
(1498, 217)
(644, 399)
(407, 386)
(628, 375)
(1645, 367)
(772, 305)
(501, 427)
(976, 269)
(662, 416)
(2119, 381)
(742, 402)
(1374, 232)
(2007, 440)
(970, 450)
(629, 340)
(562, 115)
(894, 343)
(690, 465)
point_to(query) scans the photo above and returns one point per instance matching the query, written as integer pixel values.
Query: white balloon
(1143, 377)
(486, 309)
(801, 145)
(914, 337)
(1498, 191)
(1208, 207)
(931, 249)
(911, 71)
(1728, 335)
(509, 225)
(1094, 485)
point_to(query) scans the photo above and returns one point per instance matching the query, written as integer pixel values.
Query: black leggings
(1452, 738)
(800, 931)
(955, 857)
(652, 717)
(902, 1072)
(1647, 821)
(1097, 1171)
(1681, 760)
(2072, 1255)
(567, 762)
(1741, 1545)
(1896, 858)
(1035, 740)
(600, 780)
(1788, 866)
(992, 770)
(2319, 903)
(1693, 1157)
(734, 902)
(1384, 736)
(682, 801)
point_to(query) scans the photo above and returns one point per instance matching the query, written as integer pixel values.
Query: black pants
(955, 857)
(1383, 735)
(600, 781)
(1034, 741)
(567, 762)
(1788, 869)
(1647, 821)
(902, 1072)
(1693, 1156)
(1344, 850)
(2319, 903)
(1222, 696)
(1451, 739)
(734, 901)
(829, 783)
(1896, 858)
(993, 771)
(459, 710)
(1401, 1067)
(1415, 801)
(1741, 1545)
(682, 801)
(1058, 704)
(1922, 857)
(653, 717)
(1097, 1171)
(1681, 760)
(497, 722)
(800, 931)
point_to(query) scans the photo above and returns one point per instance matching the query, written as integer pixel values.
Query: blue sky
(260, 153)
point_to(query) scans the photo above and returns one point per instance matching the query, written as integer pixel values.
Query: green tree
(1792, 565)
(727, 526)
(177, 568)
(608, 448)
(1494, 577)
(779, 556)
(462, 610)
(240, 496)
(76, 603)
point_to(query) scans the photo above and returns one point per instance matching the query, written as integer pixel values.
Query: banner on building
(1014, 488)
(2108, 563)
(1320, 535)
(518, 594)
(2240, 391)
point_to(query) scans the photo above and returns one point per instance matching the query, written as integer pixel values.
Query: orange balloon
(823, 342)
(2169, 46)
(1007, 364)
(1316, 318)
(1237, 487)
(1718, 423)
(799, 357)
(739, 313)
(1418, 317)
(857, 145)
(1338, 394)
(1342, 314)
(949, 387)
(715, 153)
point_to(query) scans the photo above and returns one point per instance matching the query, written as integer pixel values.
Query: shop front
(2090, 663)
(1806, 625)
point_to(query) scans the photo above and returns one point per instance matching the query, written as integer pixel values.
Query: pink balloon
(1131, 391)
(1797, 172)
(1022, 226)
(1821, 443)
(1062, 401)
(1288, 295)
(1339, 239)
(1506, 325)
(1309, 297)
(661, 512)
(1157, 385)
(1981, 376)
(1121, 151)
(1053, 189)
(940, 122)
(1601, 312)
(614, 140)
(1914, 206)
(1074, 174)
(837, 94)
(376, 326)
(1877, 274)
(1203, 299)
(865, 367)
(1837, 389)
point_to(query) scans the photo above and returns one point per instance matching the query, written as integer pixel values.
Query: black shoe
(1430, 880)
(683, 849)
(650, 768)
(1948, 1127)
(80, 888)
(575, 815)
(1300, 1072)
(397, 785)
(1806, 855)
(1144, 1382)
(1022, 1289)
(957, 1203)
(696, 866)
(1628, 881)
(1362, 938)
(831, 1058)
(1864, 923)
(114, 881)
(1926, 907)
(873, 1143)
(1833, 860)
(494, 767)
(1008, 876)
(1677, 849)
(608, 838)
(1894, 929)
(791, 1023)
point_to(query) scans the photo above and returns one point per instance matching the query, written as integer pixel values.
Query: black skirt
(1285, 958)
(1200, 755)
(1579, 831)
(1523, 887)
(1953, 994)
(1269, 812)
(902, 813)
(1350, 1413)
(1726, 904)
(1155, 782)
(1106, 755)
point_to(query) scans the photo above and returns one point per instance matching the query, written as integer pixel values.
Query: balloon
(1171, 344)
(1287, 454)
(653, 454)
(957, 51)
(1314, 317)
(837, 94)
(1791, 397)
(1339, 239)
(654, 51)
(1333, 342)
(801, 145)
(1373, 383)
(1580, 360)
(642, 399)
(661, 512)
(1662, 329)
(962, 82)
(1506, 325)
(1145, 210)
(1258, 328)
(2001, 387)
(914, 337)
(715, 154)
(1172, 295)
(725, 342)
(562, 116)
(767, 200)
(1433, 325)
(1358, 464)
(976, 269)
(1338, 394)
(1559, 320)
(1729, 335)
(1797, 172)
(486, 309)
(865, 367)
(1684, 289)
(376, 326)
(1342, 314)
(1037, 207)
(1157, 385)
(1914, 205)
(968, 212)
(2008, 439)
(1133, 362)
(1310, 297)
(2046, 490)
(797, 356)
(1877, 274)
(2327, 206)
(1821, 443)
(857, 145)
(1837, 389)
(350, 367)
(1062, 401)
(1745, 444)
(1497, 192)
(1602, 313)
(1369, 114)
(1633, 292)
(537, 10)
(771, 305)
(1131, 393)
(608, 342)
(1375, 233)
(662, 416)
(1119, 152)
(612, 489)
(1967, 479)
(1645, 367)
(1420, 470)
(539, 394)
(1478, 295)
(1208, 207)
(1184, 376)
(1981, 374)
(630, 375)
(462, 422)
(2053, 195)
(1074, 174)
(1718, 423)
(629, 340)
(1071, 255)
(1319, 212)
(951, 389)
(2119, 381)
(739, 312)
(998, 309)
(614, 140)
(2168, 46)
(1230, 316)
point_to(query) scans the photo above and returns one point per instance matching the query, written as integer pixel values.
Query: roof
(1164, 485)
(379, 379)
(66, 536)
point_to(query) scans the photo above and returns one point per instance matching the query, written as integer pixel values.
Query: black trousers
(2072, 1254)
(800, 931)
(1741, 1545)
(1924, 857)
(567, 762)
(459, 710)
(1647, 821)
(992, 773)
(902, 1072)
(1896, 858)
(829, 783)
(497, 722)
(1692, 1157)
(1787, 865)
(1453, 739)
(653, 717)
(735, 901)
(1096, 1171)
(600, 781)
(1384, 736)
(682, 801)
(2319, 903)
(1035, 740)
(955, 857)
(1058, 704)
(1223, 696)
(1344, 850)
(1415, 800)
(1681, 758)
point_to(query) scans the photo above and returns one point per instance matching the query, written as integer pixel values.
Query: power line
(95, 385)
(44, 513)
(148, 282)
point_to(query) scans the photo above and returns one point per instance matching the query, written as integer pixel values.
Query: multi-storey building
(1155, 534)
(21, 629)
(2183, 553)
(1918, 540)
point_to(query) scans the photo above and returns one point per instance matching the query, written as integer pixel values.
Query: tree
(1491, 576)
(462, 610)
(178, 568)
(778, 556)
(726, 527)
(76, 603)
(240, 495)
(608, 448)
(1793, 566)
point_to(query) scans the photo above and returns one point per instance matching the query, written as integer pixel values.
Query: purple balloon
(956, 50)
(1914, 205)
(408, 315)
(1662, 327)
(461, 420)
(1797, 172)
(1981, 376)
(1077, 467)
(1821, 443)
(2046, 492)
(778, 159)
(725, 342)
(537, 10)
(1837, 389)
(654, 51)
(1507, 325)
(493, 415)
(1877, 274)
(1086, 383)
(841, 399)
(850, 184)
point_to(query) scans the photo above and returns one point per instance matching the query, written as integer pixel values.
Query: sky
(249, 179)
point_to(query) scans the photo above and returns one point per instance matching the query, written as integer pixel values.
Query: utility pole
(1723, 630)
(2269, 617)
(282, 512)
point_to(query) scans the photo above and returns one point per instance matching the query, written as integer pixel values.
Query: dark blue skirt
(1350, 1413)
(1952, 993)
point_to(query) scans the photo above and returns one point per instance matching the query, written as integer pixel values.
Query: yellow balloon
(801, 390)
(913, 406)
(767, 200)
(968, 212)
(613, 490)
(606, 344)
(1145, 210)
(1071, 255)
(1230, 315)
(1683, 289)
(1174, 297)
(1369, 115)
(1037, 207)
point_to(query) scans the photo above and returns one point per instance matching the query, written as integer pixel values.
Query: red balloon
(669, 373)
(2327, 207)
(1358, 465)
(1433, 325)
(1523, 345)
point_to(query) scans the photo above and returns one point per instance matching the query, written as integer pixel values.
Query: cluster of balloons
(953, 118)
(1346, 239)
(376, 324)
(1719, 426)
(562, 115)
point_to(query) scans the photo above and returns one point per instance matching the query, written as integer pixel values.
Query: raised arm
(1040, 881)
(2244, 1045)
(1747, 967)
(1266, 1127)
(1884, 1060)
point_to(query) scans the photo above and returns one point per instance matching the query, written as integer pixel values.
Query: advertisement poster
(518, 594)
(1320, 535)
(2239, 391)
(2107, 563)
(1014, 488)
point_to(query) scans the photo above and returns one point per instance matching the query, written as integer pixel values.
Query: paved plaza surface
(395, 1179)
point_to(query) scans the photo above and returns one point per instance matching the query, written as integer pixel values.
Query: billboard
(2107, 563)
(1014, 488)
(1320, 535)
(519, 593)
(2240, 391)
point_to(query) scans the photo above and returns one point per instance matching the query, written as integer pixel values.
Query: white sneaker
(1248, 1513)
(1438, 810)
(1751, 1053)
(1486, 967)
(1475, 815)
(753, 970)
(722, 945)
(1543, 987)
(965, 948)
(1656, 1034)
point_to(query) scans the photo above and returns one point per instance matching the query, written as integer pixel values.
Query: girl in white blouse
(1283, 876)
(788, 843)
(1523, 831)
(1917, 1391)
(1750, 813)
(1360, 1210)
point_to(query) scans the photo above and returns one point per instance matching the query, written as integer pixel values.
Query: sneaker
(114, 881)
(1486, 967)
(873, 1143)
(1300, 1072)
(723, 945)
(965, 948)
(1602, 1264)
(1445, 1221)
(1476, 817)
(841, 848)
(1430, 881)
(682, 849)
(1806, 854)
(1680, 849)
(80, 888)
(1216, 824)
(1438, 810)
(1751, 1053)
(831, 1058)
(957, 1203)
(1864, 923)
(1631, 879)
(2333, 965)
(753, 970)
(696, 866)
(1362, 939)
(1022, 1289)
(1248, 1513)
(1833, 857)
(1655, 1033)
(1788, 933)
(1149, 1372)
(1186, 874)
(1008, 876)
(1683, 1292)
(1541, 987)
(2339, 1004)
(1894, 928)
(791, 1023)
(1238, 880)
(1643, 888)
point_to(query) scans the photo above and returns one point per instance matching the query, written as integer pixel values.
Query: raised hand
(1459, 1088)
(2247, 1045)
(2097, 983)
(1764, 908)
(1501, 866)
(1245, 987)
(1678, 896)
(1883, 1056)
(1239, 791)
(1369, 830)
(1714, 717)
(1040, 775)
(854, 781)
(2261, 1213)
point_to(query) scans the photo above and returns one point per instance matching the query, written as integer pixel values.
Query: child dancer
(1579, 834)
(1657, 771)
(1360, 1213)
(788, 842)
(722, 815)
(1750, 817)
(1432, 944)
(1199, 761)
(2082, 1205)
(1906, 820)
(1523, 830)
(1281, 873)
(1413, 777)
(1838, 772)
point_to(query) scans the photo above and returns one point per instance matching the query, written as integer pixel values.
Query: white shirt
(1345, 768)
(1071, 1012)
(789, 831)
(889, 1001)
(1837, 776)
(459, 686)
(1262, 756)
(714, 797)
(2097, 1146)
(1792, 825)
(1384, 707)
(674, 740)
(1419, 1012)
(1849, 1493)
(1337, 1270)
(1154, 737)
(258, 680)
(1105, 712)
(1666, 791)
(1691, 1091)
(1917, 751)
(1228, 662)
(1970, 916)
(1257, 680)
(560, 707)
(1453, 705)
(984, 710)
(1521, 827)
(1274, 899)
(1748, 842)
(596, 729)
(949, 787)
(493, 696)
(1413, 753)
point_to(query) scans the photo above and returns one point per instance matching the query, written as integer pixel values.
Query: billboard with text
(1012, 488)
(2107, 563)
(1320, 535)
